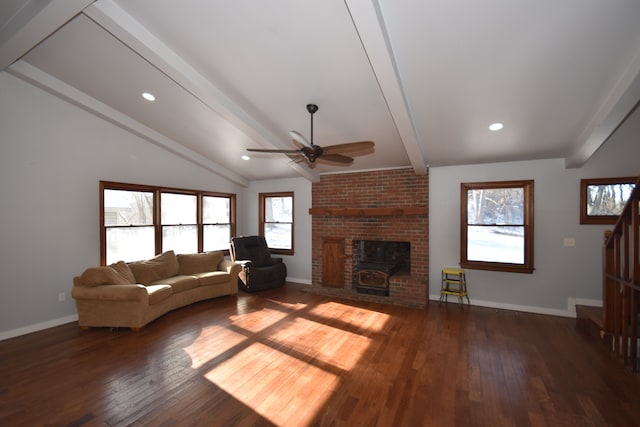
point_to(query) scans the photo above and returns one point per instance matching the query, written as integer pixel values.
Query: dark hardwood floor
(291, 358)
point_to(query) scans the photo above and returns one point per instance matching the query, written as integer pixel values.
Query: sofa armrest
(276, 261)
(231, 267)
(225, 265)
(111, 293)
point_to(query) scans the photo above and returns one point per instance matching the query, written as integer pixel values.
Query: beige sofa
(135, 293)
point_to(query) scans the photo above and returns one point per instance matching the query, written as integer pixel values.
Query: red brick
(391, 188)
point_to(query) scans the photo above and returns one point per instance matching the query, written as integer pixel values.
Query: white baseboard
(38, 327)
(300, 281)
(583, 301)
(570, 312)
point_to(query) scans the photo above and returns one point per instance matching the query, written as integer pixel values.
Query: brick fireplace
(383, 206)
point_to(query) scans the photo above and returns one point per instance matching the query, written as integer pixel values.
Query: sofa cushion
(123, 270)
(212, 277)
(158, 293)
(136, 293)
(156, 268)
(97, 276)
(199, 263)
(179, 283)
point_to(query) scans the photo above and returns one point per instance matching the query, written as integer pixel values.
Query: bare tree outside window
(139, 221)
(497, 226)
(603, 199)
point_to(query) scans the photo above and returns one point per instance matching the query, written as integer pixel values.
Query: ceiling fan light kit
(309, 152)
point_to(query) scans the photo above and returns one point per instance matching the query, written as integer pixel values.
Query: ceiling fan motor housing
(311, 152)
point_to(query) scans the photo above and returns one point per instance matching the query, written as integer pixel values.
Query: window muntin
(496, 230)
(140, 221)
(603, 199)
(276, 221)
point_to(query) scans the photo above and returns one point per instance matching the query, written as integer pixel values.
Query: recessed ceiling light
(496, 126)
(148, 96)
(245, 157)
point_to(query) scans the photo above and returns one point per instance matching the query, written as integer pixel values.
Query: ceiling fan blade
(298, 144)
(266, 150)
(336, 159)
(365, 147)
(295, 159)
(297, 137)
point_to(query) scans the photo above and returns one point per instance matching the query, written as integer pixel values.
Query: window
(602, 199)
(496, 226)
(128, 224)
(140, 221)
(179, 222)
(276, 221)
(216, 221)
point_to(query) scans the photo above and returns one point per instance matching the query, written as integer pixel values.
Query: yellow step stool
(454, 282)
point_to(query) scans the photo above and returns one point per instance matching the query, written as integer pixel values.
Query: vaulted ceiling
(422, 78)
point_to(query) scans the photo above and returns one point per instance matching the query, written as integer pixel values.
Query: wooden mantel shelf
(412, 210)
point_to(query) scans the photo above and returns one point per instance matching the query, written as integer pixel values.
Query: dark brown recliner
(259, 270)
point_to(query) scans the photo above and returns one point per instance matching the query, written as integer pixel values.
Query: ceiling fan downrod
(312, 108)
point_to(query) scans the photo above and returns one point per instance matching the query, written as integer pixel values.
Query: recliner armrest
(245, 263)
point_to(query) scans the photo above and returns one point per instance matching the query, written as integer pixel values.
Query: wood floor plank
(291, 358)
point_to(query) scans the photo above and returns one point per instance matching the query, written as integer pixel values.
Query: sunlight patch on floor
(362, 318)
(258, 320)
(273, 383)
(285, 363)
(323, 344)
(212, 342)
(287, 305)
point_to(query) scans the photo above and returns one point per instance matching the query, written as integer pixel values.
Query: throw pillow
(199, 263)
(159, 267)
(97, 276)
(123, 270)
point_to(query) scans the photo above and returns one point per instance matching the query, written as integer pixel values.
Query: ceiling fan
(310, 152)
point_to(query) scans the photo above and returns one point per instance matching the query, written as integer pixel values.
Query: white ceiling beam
(39, 78)
(614, 110)
(121, 25)
(33, 22)
(367, 18)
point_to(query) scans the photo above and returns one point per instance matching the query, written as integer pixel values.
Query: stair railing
(621, 282)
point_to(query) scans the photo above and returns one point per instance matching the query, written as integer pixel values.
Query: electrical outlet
(62, 297)
(569, 242)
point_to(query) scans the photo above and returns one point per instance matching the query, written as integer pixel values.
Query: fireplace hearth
(375, 261)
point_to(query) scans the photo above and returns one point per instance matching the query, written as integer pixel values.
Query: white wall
(563, 275)
(299, 264)
(52, 156)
